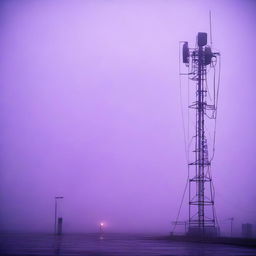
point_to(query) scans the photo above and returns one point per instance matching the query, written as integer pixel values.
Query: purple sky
(90, 110)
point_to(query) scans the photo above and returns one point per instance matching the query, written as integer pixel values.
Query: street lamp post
(101, 227)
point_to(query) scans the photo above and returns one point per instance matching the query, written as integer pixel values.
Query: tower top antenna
(210, 23)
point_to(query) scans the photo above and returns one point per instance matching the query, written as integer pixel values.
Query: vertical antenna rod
(210, 21)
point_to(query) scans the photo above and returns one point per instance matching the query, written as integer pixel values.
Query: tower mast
(202, 219)
(199, 150)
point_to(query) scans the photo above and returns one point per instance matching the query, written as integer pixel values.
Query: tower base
(203, 232)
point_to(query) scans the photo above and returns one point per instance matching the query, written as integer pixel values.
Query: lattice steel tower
(202, 217)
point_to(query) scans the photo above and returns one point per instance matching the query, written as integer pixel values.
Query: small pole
(231, 228)
(55, 218)
(55, 214)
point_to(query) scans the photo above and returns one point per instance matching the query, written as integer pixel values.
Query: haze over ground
(90, 110)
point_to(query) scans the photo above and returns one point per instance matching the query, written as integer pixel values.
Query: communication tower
(199, 61)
